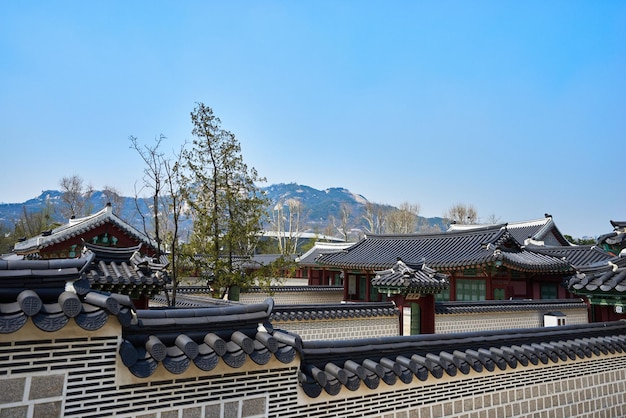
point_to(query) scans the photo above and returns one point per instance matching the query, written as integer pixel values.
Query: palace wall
(73, 372)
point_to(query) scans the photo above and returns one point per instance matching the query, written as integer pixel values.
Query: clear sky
(515, 107)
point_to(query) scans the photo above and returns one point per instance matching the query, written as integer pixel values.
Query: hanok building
(124, 258)
(69, 351)
(316, 274)
(603, 282)
(604, 285)
(482, 263)
(102, 228)
(614, 242)
(542, 231)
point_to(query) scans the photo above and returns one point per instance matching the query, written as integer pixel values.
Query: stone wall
(293, 298)
(451, 323)
(74, 373)
(341, 329)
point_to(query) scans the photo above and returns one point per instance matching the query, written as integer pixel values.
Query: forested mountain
(317, 211)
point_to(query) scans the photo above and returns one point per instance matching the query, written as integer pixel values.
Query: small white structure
(554, 319)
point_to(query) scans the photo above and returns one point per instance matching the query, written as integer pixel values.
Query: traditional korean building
(69, 351)
(542, 231)
(316, 274)
(615, 241)
(482, 263)
(603, 284)
(413, 287)
(103, 228)
(123, 258)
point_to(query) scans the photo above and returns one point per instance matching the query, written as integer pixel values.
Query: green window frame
(471, 290)
(549, 291)
(444, 296)
(499, 293)
(362, 287)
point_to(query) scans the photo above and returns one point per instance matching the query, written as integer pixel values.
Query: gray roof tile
(330, 366)
(604, 277)
(445, 251)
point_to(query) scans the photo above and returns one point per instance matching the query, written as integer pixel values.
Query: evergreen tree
(227, 207)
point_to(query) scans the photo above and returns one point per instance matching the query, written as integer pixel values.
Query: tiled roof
(576, 255)
(421, 279)
(52, 294)
(176, 338)
(259, 289)
(333, 366)
(490, 306)
(309, 258)
(294, 289)
(333, 311)
(125, 270)
(616, 238)
(606, 277)
(543, 229)
(445, 251)
(78, 227)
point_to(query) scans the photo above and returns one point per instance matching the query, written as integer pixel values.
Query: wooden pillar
(346, 284)
(368, 286)
(427, 317)
(488, 285)
(452, 286)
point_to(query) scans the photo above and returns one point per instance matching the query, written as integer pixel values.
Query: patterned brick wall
(342, 329)
(73, 373)
(450, 323)
(293, 298)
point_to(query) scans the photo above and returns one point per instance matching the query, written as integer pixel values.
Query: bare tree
(162, 179)
(74, 197)
(342, 225)
(493, 219)
(404, 219)
(375, 219)
(461, 214)
(152, 181)
(286, 218)
(112, 196)
(174, 211)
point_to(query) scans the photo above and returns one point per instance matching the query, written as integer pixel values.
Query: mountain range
(318, 207)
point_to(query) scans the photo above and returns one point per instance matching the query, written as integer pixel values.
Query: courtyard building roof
(407, 280)
(541, 231)
(490, 245)
(52, 294)
(78, 227)
(608, 277)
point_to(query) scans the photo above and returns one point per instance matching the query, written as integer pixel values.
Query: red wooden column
(346, 284)
(427, 313)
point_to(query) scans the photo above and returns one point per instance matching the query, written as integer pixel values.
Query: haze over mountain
(318, 207)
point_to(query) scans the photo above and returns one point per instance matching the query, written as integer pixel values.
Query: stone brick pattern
(451, 323)
(294, 298)
(32, 395)
(70, 376)
(342, 329)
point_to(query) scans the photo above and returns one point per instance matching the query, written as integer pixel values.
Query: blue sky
(517, 108)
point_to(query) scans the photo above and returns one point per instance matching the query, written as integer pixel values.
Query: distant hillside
(318, 206)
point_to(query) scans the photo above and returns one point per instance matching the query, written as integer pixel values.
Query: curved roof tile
(176, 338)
(78, 227)
(444, 251)
(604, 277)
(420, 279)
(331, 366)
